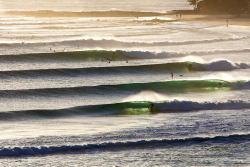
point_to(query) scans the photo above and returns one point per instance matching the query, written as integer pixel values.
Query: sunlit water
(39, 92)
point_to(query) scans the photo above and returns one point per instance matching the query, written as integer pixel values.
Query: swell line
(220, 65)
(117, 43)
(119, 146)
(125, 108)
(174, 86)
(111, 13)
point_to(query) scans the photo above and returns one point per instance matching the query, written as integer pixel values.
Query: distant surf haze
(94, 5)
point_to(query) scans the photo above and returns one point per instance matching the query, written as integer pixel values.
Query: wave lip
(118, 146)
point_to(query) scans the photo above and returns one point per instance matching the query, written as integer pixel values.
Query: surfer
(172, 75)
(109, 60)
(227, 23)
(151, 107)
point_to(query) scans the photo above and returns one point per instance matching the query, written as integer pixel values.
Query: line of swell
(220, 65)
(116, 43)
(126, 108)
(119, 146)
(111, 13)
(174, 86)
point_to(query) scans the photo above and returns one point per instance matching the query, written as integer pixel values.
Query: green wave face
(128, 108)
(180, 86)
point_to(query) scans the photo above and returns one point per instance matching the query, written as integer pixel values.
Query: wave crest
(126, 108)
(113, 146)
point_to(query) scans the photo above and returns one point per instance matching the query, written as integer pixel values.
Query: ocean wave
(88, 55)
(218, 65)
(109, 43)
(173, 86)
(125, 108)
(222, 51)
(119, 146)
(111, 13)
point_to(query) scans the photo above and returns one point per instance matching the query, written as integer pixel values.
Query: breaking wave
(125, 108)
(219, 65)
(174, 86)
(118, 146)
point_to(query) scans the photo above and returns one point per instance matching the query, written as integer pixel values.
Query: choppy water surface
(121, 91)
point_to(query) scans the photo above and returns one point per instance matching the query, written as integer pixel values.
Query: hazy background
(93, 5)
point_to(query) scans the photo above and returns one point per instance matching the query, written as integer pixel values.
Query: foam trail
(115, 146)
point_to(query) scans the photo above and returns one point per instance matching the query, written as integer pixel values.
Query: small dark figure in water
(172, 75)
(151, 107)
(181, 75)
(109, 60)
(227, 22)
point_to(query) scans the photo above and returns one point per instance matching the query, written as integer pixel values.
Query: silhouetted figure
(172, 75)
(151, 107)
(109, 60)
(227, 23)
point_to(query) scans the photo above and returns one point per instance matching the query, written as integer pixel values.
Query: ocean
(113, 83)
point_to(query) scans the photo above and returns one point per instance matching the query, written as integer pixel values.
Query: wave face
(94, 55)
(126, 108)
(220, 65)
(176, 86)
(43, 150)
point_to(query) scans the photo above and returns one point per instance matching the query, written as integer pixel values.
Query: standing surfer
(172, 75)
